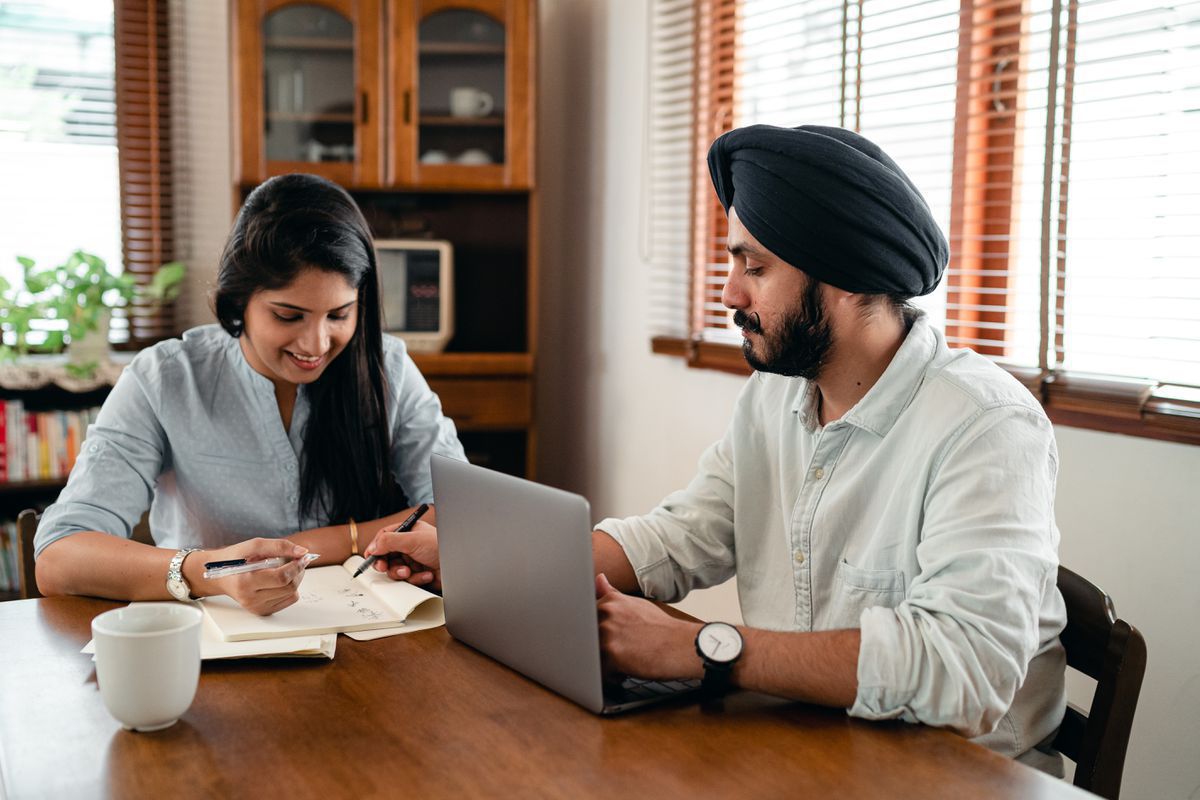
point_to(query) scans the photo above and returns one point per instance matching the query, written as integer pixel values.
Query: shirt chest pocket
(856, 589)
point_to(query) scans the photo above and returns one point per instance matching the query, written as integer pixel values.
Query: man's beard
(802, 346)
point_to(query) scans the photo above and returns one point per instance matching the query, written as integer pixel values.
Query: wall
(624, 426)
(202, 135)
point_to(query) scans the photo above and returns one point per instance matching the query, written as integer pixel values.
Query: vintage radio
(416, 279)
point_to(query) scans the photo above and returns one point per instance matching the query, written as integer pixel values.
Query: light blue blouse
(194, 433)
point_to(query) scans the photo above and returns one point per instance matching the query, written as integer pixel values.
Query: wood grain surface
(422, 715)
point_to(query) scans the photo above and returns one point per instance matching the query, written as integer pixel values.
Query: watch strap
(716, 677)
(176, 584)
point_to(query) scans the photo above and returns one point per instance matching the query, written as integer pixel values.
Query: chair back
(27, 522)
(1113, 652)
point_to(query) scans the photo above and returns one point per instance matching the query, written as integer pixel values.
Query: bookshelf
(44, 414)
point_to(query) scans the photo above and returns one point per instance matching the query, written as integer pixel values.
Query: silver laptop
(518, 583)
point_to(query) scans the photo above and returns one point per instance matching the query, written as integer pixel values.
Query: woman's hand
(263, 591)
(411, 556)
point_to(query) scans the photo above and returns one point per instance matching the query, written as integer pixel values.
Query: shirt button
(290, 467)
(818, 473)
(799, 556)
(291, 498)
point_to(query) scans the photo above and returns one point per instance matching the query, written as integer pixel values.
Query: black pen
(404, 528)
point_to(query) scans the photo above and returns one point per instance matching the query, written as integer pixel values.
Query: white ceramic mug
(467, 101)
(148, 662)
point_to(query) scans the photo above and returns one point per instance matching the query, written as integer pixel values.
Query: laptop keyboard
(637, 689)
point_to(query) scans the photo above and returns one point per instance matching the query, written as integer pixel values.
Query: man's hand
(638, 638)
(262, 592)
(411, 556)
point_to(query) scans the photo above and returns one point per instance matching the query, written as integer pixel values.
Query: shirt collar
(258, 382)
(879, 409)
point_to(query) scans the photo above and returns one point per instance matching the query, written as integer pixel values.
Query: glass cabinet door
(463, 100)
(461, 91)
(308, 86)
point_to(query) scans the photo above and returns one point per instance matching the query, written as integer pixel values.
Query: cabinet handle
(407, 106)
(364, 108)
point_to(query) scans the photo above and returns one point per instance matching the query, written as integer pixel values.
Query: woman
(291, 422)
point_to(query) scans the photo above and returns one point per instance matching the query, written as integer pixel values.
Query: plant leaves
(85, 370)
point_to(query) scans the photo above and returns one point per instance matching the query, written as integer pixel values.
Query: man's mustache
(747, 322)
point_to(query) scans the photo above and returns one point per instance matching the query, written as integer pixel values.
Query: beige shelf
(461, 49)
(309, 43)
(296, 116)
(447, 121)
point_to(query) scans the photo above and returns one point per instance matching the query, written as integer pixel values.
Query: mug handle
(486, 104)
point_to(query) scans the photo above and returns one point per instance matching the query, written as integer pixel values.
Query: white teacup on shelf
(474, 156)
(467, 101)
(435, 157)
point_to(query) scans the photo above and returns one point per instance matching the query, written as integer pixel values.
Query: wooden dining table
(423, 715)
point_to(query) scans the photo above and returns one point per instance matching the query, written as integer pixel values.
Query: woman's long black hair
(289, 224)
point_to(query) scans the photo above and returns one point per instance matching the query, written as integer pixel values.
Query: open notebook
(212, 646)
(366, 607)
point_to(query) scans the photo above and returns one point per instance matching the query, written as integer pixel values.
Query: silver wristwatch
(176, 585)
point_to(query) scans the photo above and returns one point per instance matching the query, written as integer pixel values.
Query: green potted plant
(81, 293)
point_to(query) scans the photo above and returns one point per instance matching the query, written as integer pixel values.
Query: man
(886, 503)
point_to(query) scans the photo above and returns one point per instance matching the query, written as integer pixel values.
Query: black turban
(832, 204)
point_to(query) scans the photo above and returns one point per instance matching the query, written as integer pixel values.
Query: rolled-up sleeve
(955, 651)
(687, 541)
(112, 482)
(419, 431)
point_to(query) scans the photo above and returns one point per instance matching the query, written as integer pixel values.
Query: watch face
(178, 589)
(719, 642)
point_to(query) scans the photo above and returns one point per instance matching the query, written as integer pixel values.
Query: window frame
(1144, 408)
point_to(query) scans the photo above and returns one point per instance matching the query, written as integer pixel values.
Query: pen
(219, 569)
(404, 528)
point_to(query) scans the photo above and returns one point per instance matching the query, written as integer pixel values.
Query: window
(58, 138)
(1057, 142)
(85, 142)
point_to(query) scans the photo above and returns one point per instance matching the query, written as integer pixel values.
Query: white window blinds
(1057, 143)
(667, 177)
(1127, 279)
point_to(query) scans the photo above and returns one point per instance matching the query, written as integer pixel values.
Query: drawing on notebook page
(331, 600)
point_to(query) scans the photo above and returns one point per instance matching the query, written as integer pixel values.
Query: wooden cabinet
(424, 111)
(386, 93)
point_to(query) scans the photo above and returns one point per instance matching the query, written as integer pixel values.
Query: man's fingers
(603, 587)
(387, 541)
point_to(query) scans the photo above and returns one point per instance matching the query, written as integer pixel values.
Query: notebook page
(420, 609)
(329, 602)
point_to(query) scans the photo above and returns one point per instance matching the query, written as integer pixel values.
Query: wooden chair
(27, 522)
(1114, 653)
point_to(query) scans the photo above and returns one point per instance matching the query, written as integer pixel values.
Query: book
(213, 647)
(331, 601)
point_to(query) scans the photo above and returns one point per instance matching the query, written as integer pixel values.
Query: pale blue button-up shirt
(191, 427)
(924, 517)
